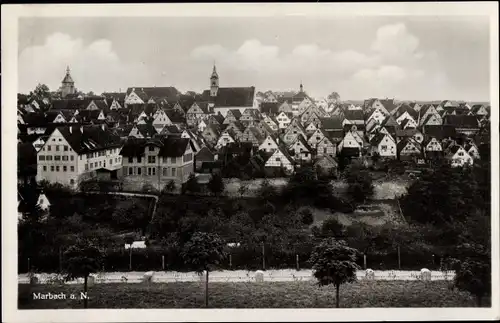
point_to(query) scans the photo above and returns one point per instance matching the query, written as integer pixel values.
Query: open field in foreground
(251, 295)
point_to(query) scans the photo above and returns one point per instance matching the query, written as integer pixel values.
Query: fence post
(60, 259)
(130, 256)
(263, 257)
(364, 261)
(297, 260)
(163, 262)
(29, 267)
(230, 262)
(399, 258)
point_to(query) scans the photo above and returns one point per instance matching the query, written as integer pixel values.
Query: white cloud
(392, 65)
(94, 67)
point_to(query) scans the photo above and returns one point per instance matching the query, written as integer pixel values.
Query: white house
(280, 159)
(301, 150)
(458, 157)
(283, 120)
(71, 152)
(161, 120)
(224, 139)
(269, 145)
(350, 140)
(384, 145)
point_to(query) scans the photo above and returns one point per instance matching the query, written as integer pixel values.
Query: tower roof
(214, 73)
(68, 78)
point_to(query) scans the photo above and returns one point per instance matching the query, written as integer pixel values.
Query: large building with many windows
(157, 161)
(74, 153)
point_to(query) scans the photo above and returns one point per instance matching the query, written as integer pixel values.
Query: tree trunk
(337, 298)
(85, 279)
(206, 289)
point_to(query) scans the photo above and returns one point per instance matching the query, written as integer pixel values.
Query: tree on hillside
(40, 92)
(360, 184)
(334, 262)
(82, 260)
(202, 253)
(191, 186)
(334, 96)
(216, 184)
(444, 196)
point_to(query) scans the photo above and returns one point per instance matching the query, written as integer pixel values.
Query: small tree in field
(216, 184)
(334, 262)
(360, 184)
(203, 252)
(243, 189)
(81, 260)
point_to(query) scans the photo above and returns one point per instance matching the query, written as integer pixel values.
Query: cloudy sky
(421, 58)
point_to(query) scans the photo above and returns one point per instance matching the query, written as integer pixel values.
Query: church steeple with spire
(67, 84)
(214, 82)
(301, 87)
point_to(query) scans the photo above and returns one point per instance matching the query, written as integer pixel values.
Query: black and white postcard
(235, 162)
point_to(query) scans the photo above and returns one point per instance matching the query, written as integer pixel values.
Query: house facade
(156, 162)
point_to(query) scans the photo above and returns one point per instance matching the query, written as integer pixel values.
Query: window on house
(48, 147)
(57, 168)
(41, 157)
(151, 159)
(174, 172)
(44, 168)
(139, 170)
(72, 158)
(72, 168)
(139, 159)
(100, 164)
(57, 157)
(460, 154)
(278, 159)
(86, 167)
(65, 148)
(65, 158)
(57, 147)
(173, 160)
(65, 169)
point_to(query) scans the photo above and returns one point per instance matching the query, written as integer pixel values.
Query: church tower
(214, 83)
(68, 85)
(301, 87)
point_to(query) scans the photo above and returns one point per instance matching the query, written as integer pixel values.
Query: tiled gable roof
(388, 104)
(169, 92)
(86, 139)
(439, 132)
(331, 123)
(461, 121)
(354, 114)
(232, 97)
(205, 154)
(269, 107)
(171, 146)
